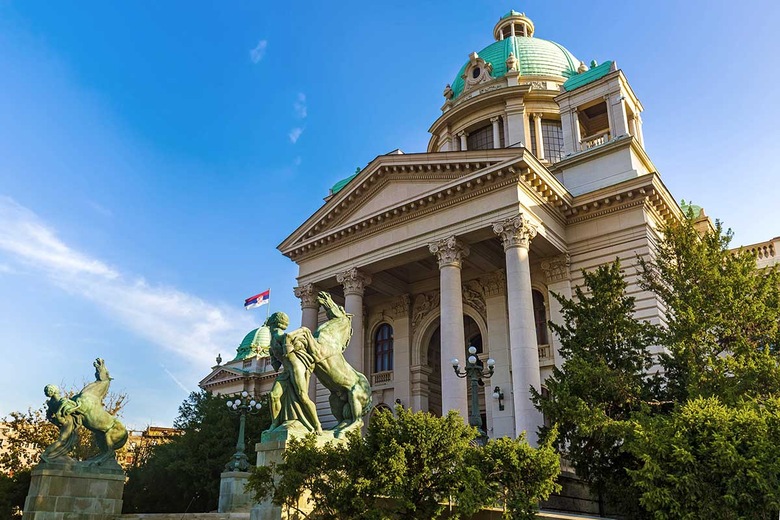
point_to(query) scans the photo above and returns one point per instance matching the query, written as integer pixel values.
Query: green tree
(519, 475)
(710, 460)
(723, 316)
(184, 473)
(411, 465)
(601, 383)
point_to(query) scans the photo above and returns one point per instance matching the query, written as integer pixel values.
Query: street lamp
(241, 406)
(474, 372)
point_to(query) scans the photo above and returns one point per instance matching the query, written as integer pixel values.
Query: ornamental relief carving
(515, 232)
(449, 251)
(473, 295)
(478, 71)
(307, 294)
(424, 304)
(494, 284)
(556, 269)
(400, 306)
(353, 280)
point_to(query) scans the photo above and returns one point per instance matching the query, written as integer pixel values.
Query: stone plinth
(232, 495)
(74, 491)
(270, 450)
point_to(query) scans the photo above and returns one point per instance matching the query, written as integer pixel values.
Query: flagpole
(268, 310)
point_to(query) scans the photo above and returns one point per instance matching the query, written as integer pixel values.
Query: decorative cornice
(556, 269)
(449, 252)
(353, 280)
(517, 231)
(308, 296)
(494, 284)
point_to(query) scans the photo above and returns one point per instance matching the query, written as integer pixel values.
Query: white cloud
(257, 54)
(300, 106)
(295, 134)
(177, 321)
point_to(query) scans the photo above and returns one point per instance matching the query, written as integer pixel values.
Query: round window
(476, 71)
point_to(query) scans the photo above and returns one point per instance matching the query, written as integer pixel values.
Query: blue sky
(152, 155)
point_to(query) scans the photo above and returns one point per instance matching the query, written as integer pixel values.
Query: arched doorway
(473, 336)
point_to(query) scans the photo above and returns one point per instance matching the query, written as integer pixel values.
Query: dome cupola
(515, 50)
(513, 24)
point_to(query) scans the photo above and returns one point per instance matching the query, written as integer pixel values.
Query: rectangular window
(552, 137)
(481, 139)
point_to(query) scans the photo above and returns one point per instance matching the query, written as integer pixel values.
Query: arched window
(540, 318)
(383, 348)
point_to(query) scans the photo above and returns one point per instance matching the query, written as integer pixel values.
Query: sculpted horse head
(336, 332)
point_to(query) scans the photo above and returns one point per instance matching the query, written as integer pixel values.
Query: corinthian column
(450, 252)
(354, 283)
(309, 306)
(516, 234)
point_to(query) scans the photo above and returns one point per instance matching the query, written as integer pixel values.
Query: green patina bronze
(302, 353)
(84, 409)
(256, 343)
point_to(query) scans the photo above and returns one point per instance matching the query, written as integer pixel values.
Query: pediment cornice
(463, 175)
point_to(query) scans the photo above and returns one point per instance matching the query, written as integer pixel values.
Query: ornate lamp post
(241, 406)
(474, 372)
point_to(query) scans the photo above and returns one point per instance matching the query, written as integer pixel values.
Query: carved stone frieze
(400, 306)
(494, 284)
(449, 251)
(556, 269)
(473, 295)
(515, 232)
(424, 304)
(307, 294)
(353, 280)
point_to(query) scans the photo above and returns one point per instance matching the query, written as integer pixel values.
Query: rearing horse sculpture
(350, 391)
(300, 352)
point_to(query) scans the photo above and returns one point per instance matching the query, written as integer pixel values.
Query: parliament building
(535, 171)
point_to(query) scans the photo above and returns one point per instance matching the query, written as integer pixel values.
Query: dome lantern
(513, 24)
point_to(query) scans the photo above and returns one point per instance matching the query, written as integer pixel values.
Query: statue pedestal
(233, 498)
(269, 450)
(74, 491)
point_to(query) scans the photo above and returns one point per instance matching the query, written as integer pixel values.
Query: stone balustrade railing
(381, 378)
(595, 140)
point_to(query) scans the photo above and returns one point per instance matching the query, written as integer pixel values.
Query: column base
(233, 497)
(74, 490)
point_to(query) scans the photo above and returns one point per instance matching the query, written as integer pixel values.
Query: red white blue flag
(257, 300)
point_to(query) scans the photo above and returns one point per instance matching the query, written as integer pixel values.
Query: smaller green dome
(511, 13)
(256, 343)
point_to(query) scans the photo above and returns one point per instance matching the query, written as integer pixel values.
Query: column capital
(462, 134)
(308, 296)
(449, 251)
(515, 232)
(556, 268)
(494, 119)
(353, 280)
(537, 115)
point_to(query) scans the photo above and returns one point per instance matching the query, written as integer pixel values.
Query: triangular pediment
(220, 374)
(391, 180)
(398, 187)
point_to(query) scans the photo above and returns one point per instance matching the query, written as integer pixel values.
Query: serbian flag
(257, 300)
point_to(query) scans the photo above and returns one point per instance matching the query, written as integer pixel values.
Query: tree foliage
(699, 439)
(723, 316)
(184, 473)
(411, 465)
(602, 380)
(710, 460)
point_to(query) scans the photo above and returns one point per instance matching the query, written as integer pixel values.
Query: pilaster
(354, 282)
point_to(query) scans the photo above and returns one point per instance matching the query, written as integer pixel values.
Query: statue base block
(270, 450)
(65, 491)
(232, 495)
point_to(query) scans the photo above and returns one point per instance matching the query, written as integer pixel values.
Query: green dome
(536, 57)
(256, 343)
